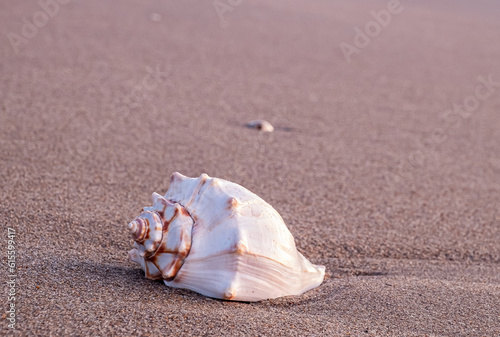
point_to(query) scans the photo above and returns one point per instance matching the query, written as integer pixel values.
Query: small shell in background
(260, 125)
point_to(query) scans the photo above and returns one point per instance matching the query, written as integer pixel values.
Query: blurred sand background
(397, 198)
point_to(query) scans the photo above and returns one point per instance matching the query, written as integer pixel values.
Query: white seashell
(219, 239)
(260, 125)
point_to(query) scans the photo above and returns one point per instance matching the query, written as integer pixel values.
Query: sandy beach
(384, 162)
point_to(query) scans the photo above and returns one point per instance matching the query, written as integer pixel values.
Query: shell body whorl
(220, 240)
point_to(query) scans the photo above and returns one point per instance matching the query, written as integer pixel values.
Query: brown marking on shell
(187, 240)
(148, 254)
(166, 222)
(177, 278)
(178, 265)
(149, 275)
(202, 180)
(169, 278)
(162, 250)
(232, 203)
(229, 294)
(148, 229)
(161, 212)
(180, 256)
(240, 248)
(154, 260)
(142, 232)
(144, 225)
(175, 269)
(187, 237)
(177, 210)
(184, 211)
(158, 225)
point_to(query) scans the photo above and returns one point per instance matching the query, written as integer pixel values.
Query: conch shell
(219, 239)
